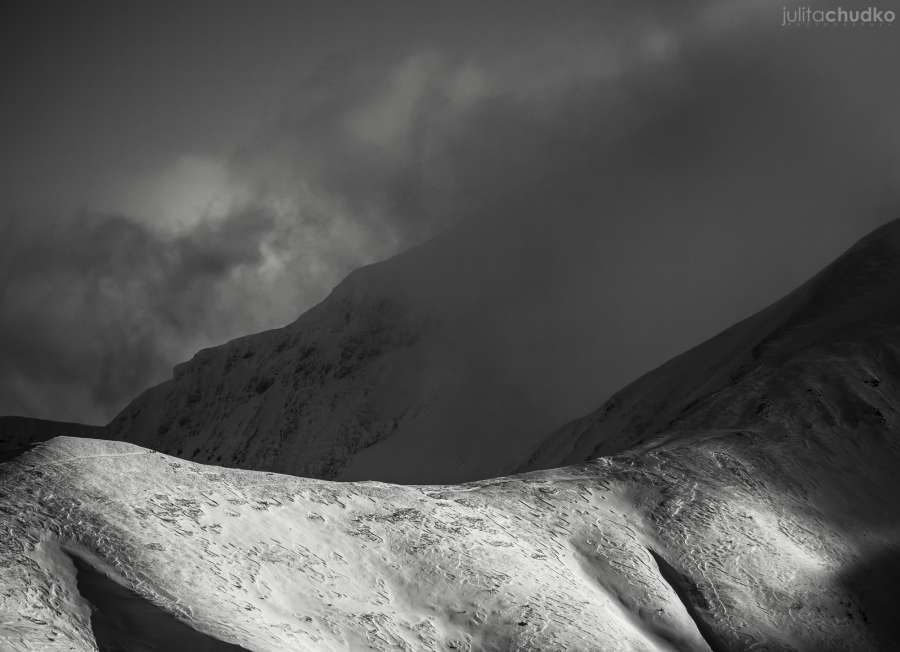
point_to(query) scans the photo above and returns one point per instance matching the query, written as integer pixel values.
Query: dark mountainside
(448, 362)
(826, 358)
(18, 434)
(412, 370)
(399, 377)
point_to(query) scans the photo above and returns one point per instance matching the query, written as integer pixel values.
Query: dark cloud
(614, 222)
(96, 306)
(622, 179)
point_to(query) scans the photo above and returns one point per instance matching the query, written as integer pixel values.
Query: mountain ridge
(18, 434)
(847, 304)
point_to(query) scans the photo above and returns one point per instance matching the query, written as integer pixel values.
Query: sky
(178, 174)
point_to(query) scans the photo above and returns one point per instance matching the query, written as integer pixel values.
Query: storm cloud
(176, 178)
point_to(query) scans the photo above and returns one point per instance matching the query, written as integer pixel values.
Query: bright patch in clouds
(177, 199)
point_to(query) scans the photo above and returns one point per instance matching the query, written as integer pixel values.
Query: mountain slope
(734, 542)
(300, 398)
(451, 362)
(746, 499)
(417, 369)
(825, 356)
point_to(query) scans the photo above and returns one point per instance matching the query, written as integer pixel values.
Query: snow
(558, 560)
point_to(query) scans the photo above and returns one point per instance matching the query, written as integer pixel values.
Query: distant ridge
(18, 434)
(827, 352)
(396, 377)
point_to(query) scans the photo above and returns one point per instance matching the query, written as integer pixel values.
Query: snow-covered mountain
(729, 542)
(746, 500)
(824, 361)
(402, 375)
(417, 369)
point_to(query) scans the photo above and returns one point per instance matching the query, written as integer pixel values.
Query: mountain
(744, 499)
(428, 367)
(729, 542)
(434, 367)
(17, 434)
(822, 362)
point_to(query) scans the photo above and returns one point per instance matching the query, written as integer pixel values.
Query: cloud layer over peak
(659, 171)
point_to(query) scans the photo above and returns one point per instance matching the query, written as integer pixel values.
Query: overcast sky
(178, 174)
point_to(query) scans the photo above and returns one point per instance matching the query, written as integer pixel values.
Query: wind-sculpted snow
(732, 543)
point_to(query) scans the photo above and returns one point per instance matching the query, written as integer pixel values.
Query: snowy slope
(735, 542)
(302, 398)
(825, 357)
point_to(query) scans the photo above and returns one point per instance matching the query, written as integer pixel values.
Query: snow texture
(731, 542)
